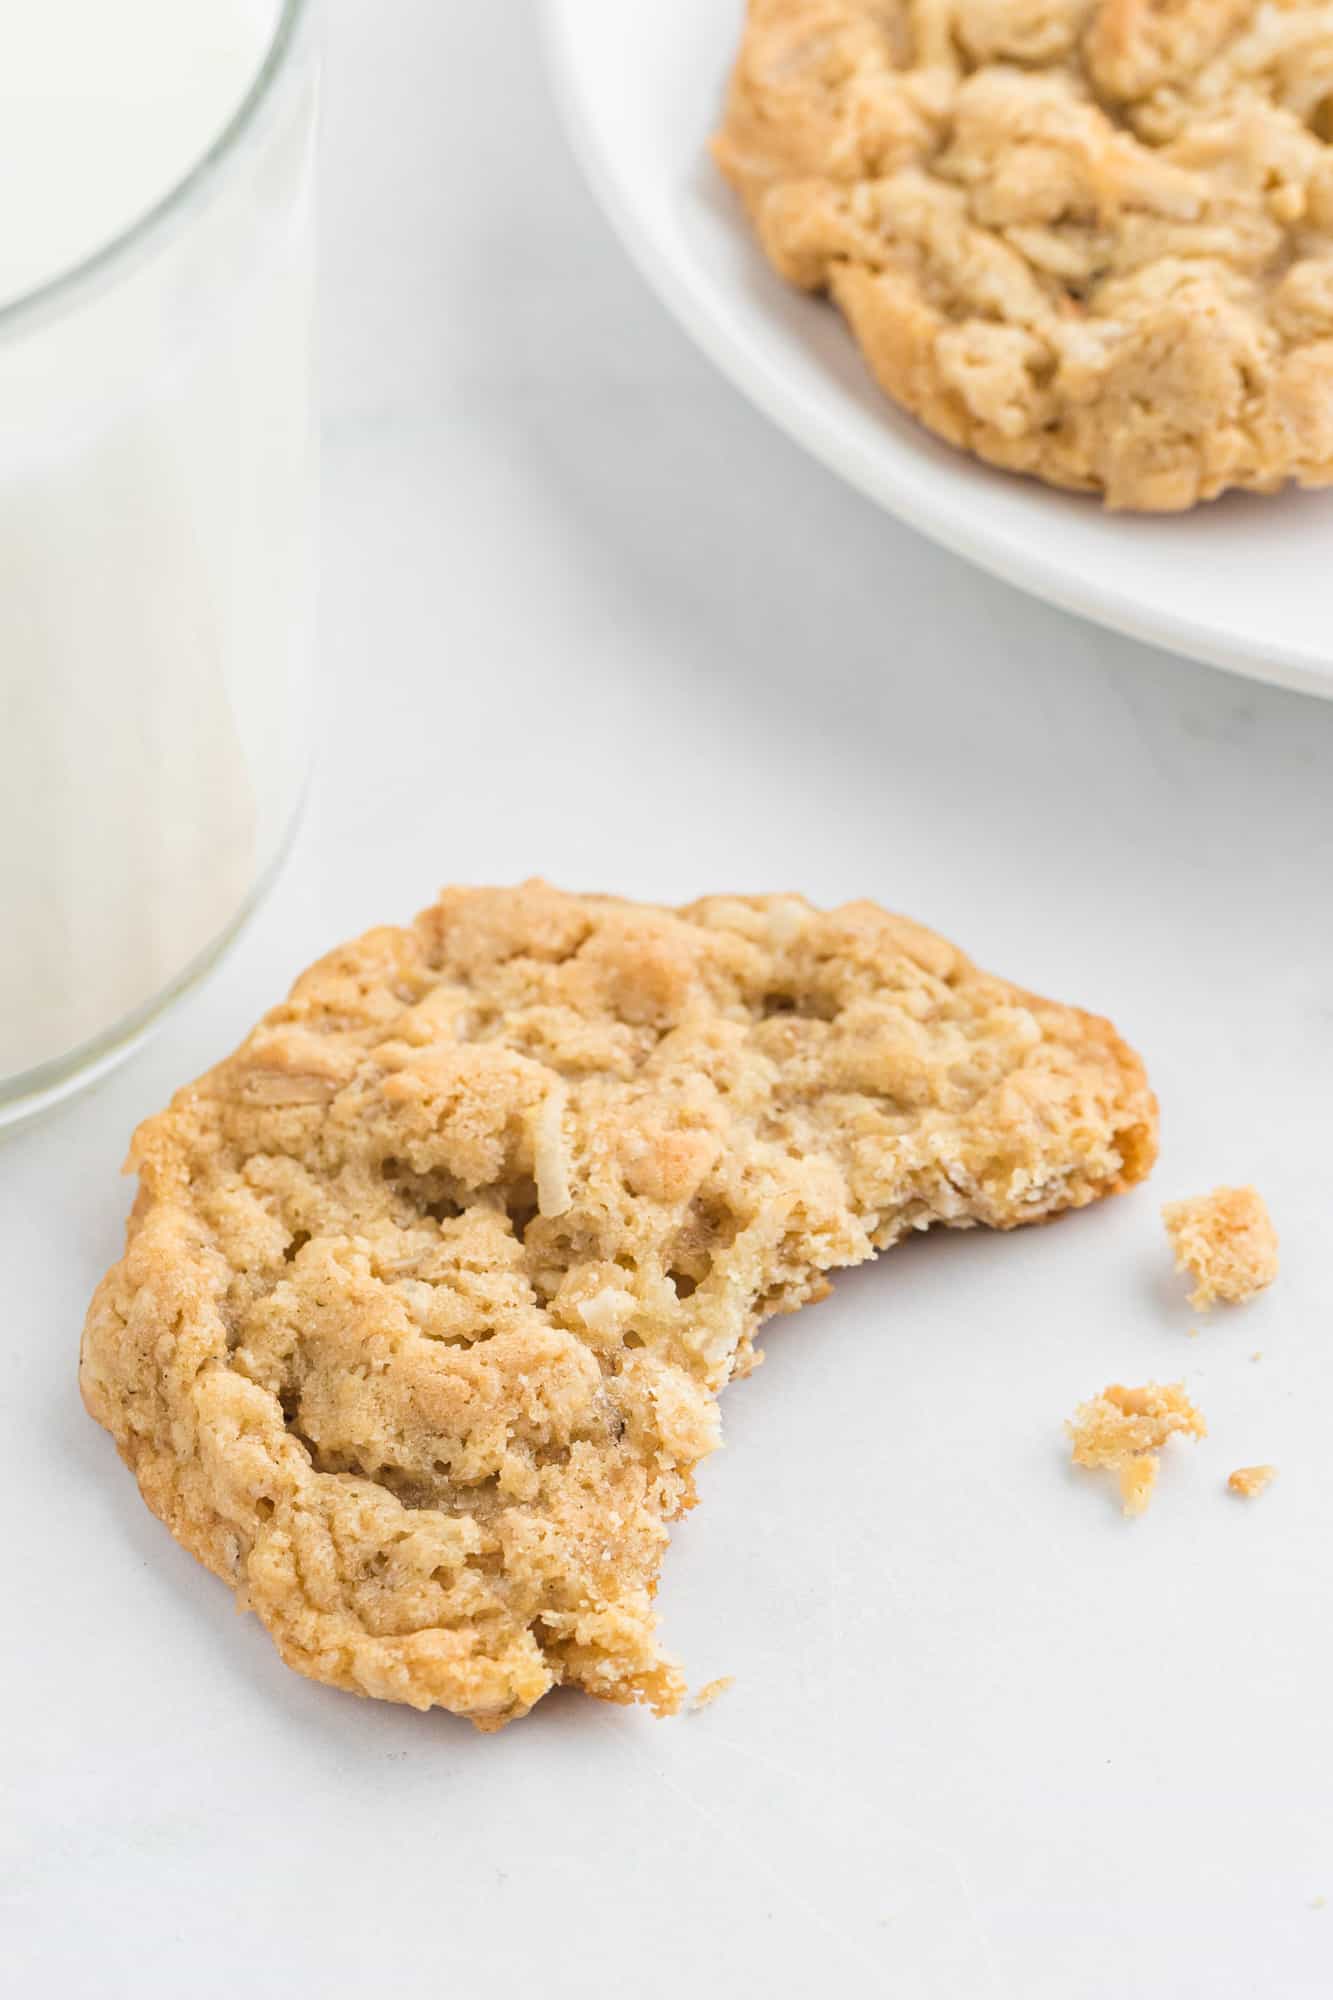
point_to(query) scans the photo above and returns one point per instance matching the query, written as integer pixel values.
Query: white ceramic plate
(1242, 583)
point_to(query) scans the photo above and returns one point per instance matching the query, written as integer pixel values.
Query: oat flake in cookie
(1086, 239)
(430, 1288)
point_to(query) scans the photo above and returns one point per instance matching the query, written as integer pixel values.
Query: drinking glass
(157, 544)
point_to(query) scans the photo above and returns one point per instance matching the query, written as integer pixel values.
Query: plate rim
(753, 375)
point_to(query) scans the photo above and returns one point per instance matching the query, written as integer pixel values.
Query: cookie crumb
(1252, 1480)
(710, 1691)
(1138, 1477)
(1227, 1243)
(1123, 1429)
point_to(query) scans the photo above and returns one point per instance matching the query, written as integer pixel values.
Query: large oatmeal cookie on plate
(1090, 240)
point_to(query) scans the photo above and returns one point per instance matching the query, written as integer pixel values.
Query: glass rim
(156, 224)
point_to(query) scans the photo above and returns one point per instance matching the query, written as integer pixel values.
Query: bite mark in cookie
(430, 1287)
(1090, 240)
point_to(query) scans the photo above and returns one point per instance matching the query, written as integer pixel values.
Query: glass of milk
(157, 504)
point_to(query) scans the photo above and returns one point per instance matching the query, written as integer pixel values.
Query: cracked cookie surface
(1090, 240)
(430, 1288)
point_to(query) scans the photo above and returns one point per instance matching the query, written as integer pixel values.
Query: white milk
(156, 508)
(104, 106)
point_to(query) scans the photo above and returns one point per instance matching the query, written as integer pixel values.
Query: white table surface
(585, 614)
